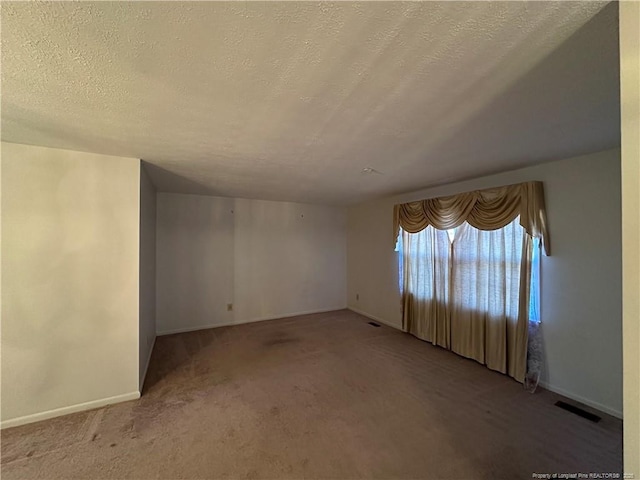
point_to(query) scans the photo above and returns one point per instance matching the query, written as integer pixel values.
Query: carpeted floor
(316, 396)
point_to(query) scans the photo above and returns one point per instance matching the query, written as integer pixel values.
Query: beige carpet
(317, 396)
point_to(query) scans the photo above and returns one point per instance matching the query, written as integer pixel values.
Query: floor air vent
(578, 411)
(374, 324)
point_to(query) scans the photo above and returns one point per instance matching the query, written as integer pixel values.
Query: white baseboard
(261, 319)
(146, 367)
(377, 319)
(578, 398)
(57, 412)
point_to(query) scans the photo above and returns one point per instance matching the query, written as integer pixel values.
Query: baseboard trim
(261, 319)
(373, 317)
(581, 399)
(146, 368)
(58, 412)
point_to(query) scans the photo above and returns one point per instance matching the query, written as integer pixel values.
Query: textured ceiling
(290, 101)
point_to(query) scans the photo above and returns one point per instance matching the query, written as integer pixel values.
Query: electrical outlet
(229, 307)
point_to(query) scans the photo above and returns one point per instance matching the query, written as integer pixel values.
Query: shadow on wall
(167, 181)
(593, 48)
(53, 134)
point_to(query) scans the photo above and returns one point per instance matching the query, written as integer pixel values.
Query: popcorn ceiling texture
(290, 101)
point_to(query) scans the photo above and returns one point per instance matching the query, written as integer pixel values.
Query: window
(534, 294)
(474, 255)
(462, 288)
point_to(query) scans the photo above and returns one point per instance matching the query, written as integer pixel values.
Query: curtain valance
(488, 209)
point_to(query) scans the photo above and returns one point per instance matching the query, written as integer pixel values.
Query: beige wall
(581, 280)
(268, 259)
(147, 301)
(70, 281)
(630, 103)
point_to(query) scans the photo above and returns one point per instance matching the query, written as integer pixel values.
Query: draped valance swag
(488, 209)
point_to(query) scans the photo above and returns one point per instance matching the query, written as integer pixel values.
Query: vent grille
(578, 411)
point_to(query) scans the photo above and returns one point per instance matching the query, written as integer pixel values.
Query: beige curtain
(427, 281)
(487, 273)
(471, 294)
(488, 209)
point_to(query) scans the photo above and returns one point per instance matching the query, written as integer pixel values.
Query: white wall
(581, 280)
(630, 110)
(70, 281)
(147, 292)
(268, 259)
